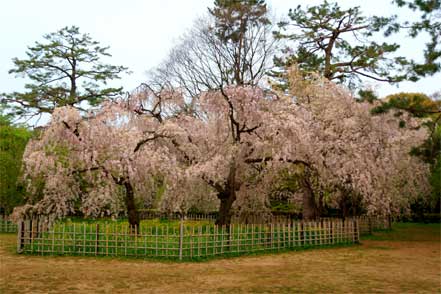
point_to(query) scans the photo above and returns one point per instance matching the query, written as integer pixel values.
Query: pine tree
(66, 69)
(336, 43)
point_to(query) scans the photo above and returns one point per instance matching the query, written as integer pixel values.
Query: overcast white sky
(141, 32)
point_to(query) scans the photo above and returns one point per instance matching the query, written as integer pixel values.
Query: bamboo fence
(367, 224)
(180, 242)
(211, 217)
(148, 214)
(7, 226)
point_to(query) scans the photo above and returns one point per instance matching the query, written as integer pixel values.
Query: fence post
(20, 235)
(357, 228)
(84, 239)
(331, 233)
(252, 237)
(74, 239)
(271, 235)
(107, 237)
(222, 238)
(370, 224)
(136, 239)
(181, 237)
(97, 228)
(31, 231)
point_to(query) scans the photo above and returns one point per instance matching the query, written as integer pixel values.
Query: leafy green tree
(13, 141)
(66, 69)
(337, 43)
(418, 104)
(429, 23)
(367, 95)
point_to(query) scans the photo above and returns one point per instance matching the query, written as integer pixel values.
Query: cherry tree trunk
(225, 209)
(344, 207)
(227, 198)
(132, 212)
(347, 204)
(320, 207)
(310, 210)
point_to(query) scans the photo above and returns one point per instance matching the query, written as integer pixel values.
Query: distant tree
(418, 104)
(233, 19)
(435, 180)
(337, 43)
(65, 70)
(367, 95)
(421, 106)
(233, 45)
(13, 140)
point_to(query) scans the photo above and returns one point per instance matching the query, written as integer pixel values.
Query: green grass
(408, 232)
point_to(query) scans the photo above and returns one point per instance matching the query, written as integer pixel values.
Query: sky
(140, 33)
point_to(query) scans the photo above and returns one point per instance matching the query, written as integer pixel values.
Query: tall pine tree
(66, 69)
(337, 43)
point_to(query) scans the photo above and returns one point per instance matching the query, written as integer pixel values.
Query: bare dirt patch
(387, 263)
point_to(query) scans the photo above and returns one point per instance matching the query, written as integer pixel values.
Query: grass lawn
(405, 260)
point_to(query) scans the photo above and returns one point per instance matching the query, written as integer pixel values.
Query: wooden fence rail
(180, 241)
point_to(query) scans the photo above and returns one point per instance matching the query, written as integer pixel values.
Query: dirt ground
(406, 260)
